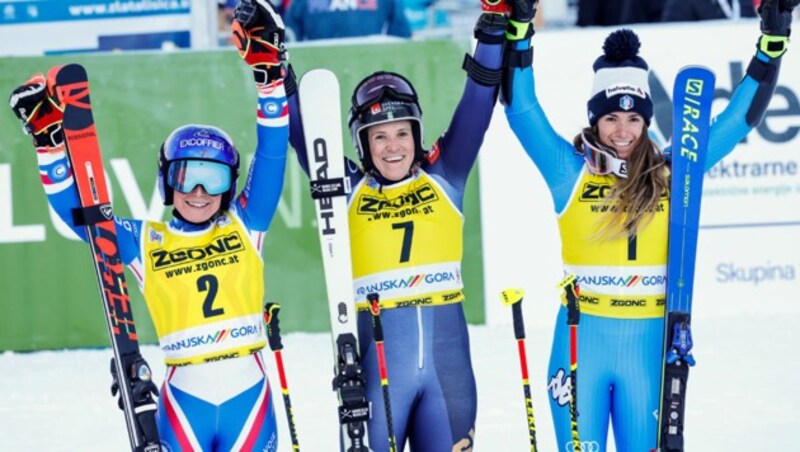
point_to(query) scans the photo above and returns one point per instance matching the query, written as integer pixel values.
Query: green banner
(50, 295)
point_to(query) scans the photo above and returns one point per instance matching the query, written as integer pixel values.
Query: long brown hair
(633, 200)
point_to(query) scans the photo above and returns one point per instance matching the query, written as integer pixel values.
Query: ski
(72, 94)
(692, 97)
(322, 120)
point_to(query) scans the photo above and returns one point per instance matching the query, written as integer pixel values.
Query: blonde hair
(632, 201)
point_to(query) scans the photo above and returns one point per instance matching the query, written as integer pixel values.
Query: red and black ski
(70, 89)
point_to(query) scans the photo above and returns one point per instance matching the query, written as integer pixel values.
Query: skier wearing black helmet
(201, 272)
(406, 236)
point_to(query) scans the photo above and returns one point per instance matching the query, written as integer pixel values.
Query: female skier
(406, 226)
(610, 187)
(201, 272)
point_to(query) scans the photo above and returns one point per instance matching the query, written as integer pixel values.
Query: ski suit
(406, 242)
(622, 281)
(203, 286)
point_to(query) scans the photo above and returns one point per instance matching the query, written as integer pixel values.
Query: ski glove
(776, 21)
(143, 390)
(519, 24)
(258, 33)
(494, 7)
(523, 10)
(40, 114)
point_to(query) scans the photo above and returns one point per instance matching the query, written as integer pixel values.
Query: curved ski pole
(513, 298)
(271, 311)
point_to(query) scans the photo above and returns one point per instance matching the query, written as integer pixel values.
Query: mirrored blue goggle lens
(185, 175)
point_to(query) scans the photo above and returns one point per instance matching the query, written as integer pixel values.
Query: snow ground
(743, 394)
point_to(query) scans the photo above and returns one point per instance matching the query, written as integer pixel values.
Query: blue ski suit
(432, 385)
(619, 348)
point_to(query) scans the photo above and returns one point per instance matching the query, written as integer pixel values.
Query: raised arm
(553, 155)
(258, 33)
(750, 98)
(42, 119)
(454, 153)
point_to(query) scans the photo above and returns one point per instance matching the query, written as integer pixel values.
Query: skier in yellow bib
(406, 235)
(201, 272)
(610, 189)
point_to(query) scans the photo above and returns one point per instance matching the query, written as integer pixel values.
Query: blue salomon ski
(691, 102)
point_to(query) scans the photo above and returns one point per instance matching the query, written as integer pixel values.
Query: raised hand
(523, 10)
(776, 16)
(258, 33)
(495, 7)
(521, 15)
(40, 115)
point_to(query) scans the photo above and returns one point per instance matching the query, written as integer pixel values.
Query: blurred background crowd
(326, 19)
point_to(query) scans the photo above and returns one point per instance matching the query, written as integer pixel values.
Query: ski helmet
(185, 150)
(380, 98)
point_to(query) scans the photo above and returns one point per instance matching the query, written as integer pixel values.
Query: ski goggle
(602, 160)
(185, 175)
(375, 87)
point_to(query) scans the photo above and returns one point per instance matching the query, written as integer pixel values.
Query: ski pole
(570, 286)
(271, 311)
(513, 298)
(377, 332)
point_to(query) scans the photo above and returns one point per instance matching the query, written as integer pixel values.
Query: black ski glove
(520, 24)
(776, 21)
(41, 118)
(258, 33)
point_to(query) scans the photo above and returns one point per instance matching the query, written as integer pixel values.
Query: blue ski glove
(258, 33)
(776, 21)
(40, 115)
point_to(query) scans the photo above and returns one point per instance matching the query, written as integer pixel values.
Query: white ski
(322, 121)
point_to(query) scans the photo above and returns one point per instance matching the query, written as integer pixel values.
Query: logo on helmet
(207, 142)
(375, 108)
(626, 102)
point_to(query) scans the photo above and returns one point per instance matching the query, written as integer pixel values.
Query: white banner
(39, 27)
(749, 245)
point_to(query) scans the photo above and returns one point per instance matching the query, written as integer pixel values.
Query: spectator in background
(599, 12)
(692, 10)
(638, 11)
(618, 12)
(321, 19)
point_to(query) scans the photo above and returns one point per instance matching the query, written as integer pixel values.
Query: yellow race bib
(204, 291)
(406, 242)
(620, 278)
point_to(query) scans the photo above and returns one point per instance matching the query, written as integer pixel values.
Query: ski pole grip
(570, 286)
(271, 311)
(375, 310)
(519, 324)
(513, 298)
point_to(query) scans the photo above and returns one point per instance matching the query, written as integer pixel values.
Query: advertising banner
(39, 27)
